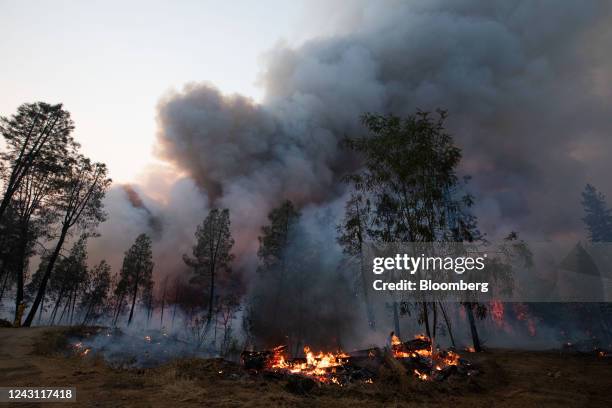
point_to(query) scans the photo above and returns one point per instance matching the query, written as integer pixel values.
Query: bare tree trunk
(212, 293)
(119, 309)
(56, 307)
(20, 270)
(4, 282)
(176, 299)
(87, 313)
(473, 330)
(66, 305)
(43, 284)
(161, 320)
(133, 303)
(448, 325)
(426, 320)
(435, 320)
(396, 321)
(42, 307)
(74, 299)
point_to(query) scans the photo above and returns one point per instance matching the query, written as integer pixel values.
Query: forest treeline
(407, 190)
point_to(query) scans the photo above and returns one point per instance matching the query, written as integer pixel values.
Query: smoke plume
(524, 83)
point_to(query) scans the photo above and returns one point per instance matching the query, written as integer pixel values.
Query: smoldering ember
(306, 204)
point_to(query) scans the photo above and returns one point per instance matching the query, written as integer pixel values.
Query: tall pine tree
(137, 270)
(211, 254)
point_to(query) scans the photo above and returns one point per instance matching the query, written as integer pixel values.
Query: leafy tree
(276, 235)
(68, 280)
(39, 134)
(598, 217)
(147, 299)
(211, 255)
(96, 292)
(81, 189)
(118, 297)
(34, 217)
(409, 174)
(409, 182)
(137, 270)
(9, 260)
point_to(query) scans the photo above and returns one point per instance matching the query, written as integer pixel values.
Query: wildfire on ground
(320, 366)
(430, 363)
(417, 356)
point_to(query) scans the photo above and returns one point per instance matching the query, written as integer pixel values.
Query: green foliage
(409, 181)
(406, 191)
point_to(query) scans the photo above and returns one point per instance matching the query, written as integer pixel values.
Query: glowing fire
(320, 366)
(439, 360)
(497, 312)
(522, 314)
(335, 368)
(396, 344)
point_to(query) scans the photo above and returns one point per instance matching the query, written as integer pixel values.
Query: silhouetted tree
(68, 280)
(136, 271)
(96, 292)
(35, 214)
(410, 184)
(211, 255)
(274, 240)
(81, 188)
(36, 136)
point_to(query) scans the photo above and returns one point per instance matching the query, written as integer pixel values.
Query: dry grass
(508, 379)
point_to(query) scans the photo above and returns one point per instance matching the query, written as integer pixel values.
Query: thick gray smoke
(525, 83)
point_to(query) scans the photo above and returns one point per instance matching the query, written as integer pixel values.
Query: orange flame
(439, 359)
(320, 366)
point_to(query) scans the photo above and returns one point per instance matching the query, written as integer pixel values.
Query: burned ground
(508, 379)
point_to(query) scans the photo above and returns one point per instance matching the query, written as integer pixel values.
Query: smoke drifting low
(526, 84)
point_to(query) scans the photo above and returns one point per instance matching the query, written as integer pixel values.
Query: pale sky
(110, 61)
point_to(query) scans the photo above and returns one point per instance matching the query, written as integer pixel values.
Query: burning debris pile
(417, 356)
(328, 368)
